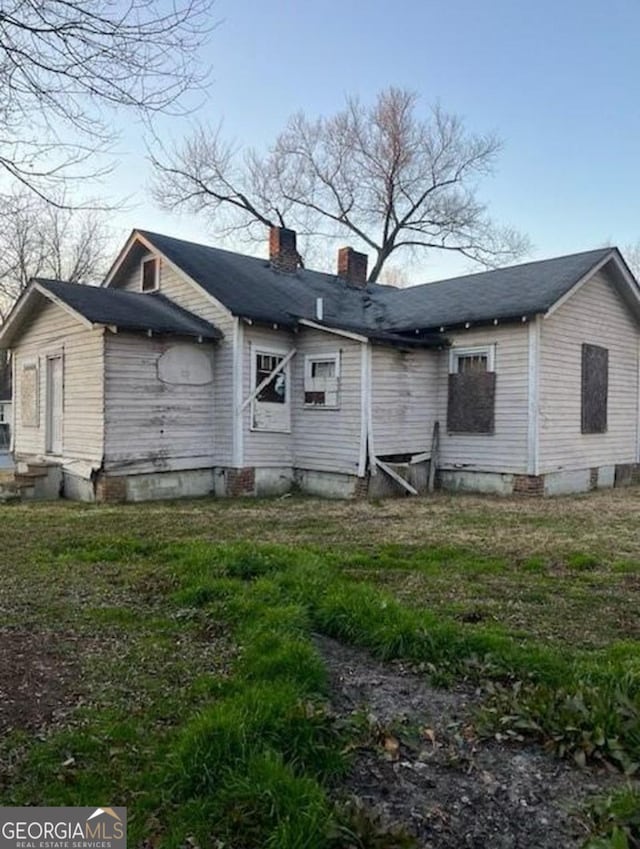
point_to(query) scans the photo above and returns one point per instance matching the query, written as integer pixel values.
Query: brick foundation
(528, 485)
(111, 490)
(362, 487)
(241, 482)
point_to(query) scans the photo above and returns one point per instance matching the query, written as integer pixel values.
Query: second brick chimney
(283, 253)
(352, 266)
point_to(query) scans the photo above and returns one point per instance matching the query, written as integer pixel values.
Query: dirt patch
(38, 674)
(425, 772)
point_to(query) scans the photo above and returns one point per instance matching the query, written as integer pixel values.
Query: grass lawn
(160, 656)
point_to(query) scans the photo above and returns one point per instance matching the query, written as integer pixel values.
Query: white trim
(48, 357)
(638, 407)
(238, 415)
(14, 372)
(60, 303)
(372, 453)
(336, 331)
(286, 353)
(476, 351)
(580, 283)
(364, 405)
(533, 411)
(156, 273)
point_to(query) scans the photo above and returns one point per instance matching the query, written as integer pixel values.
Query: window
(270, 407)
(149, 275)
(275, 390)
(595, 385)
(472, 390)
(321, 380)
(29, 395)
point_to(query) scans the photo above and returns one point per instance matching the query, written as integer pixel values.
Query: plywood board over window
(595, 388)
(29, 395)
(472, 390)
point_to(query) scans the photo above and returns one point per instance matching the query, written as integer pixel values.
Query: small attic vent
(149, 275)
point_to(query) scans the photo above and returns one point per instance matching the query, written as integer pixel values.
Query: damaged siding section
(190, 297)
(404, 400)
(159, 405)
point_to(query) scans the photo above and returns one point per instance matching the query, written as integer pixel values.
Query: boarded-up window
(471, 406)
(595, 387)
(29, 395)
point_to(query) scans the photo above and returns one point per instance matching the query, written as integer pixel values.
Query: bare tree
(38, 239)
(66, 65)
(393, 180)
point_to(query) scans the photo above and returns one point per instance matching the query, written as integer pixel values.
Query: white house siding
(152, 425)
(192, 298)
(404, 400)
(327, 440)
(266, 449)
(506, 449)
(595, 314)
(52, 331)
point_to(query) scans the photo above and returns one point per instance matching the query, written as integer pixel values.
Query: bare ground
(427, 774)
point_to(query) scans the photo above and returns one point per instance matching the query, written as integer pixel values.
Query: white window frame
(309, 360)
(266, 350)
(456, 354)
(156, 280)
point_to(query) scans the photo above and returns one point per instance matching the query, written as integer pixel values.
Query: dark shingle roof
(251, 288)
(520, 290)
(130, 310)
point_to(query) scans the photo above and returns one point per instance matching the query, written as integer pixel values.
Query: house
(194, 370)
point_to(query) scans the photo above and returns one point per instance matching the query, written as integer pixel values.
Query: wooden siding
(266, 448)
(152, 425)
(596, 315)
(505, 450)
(323, 439)
(52, 330)
(404, 400)
(189, 296)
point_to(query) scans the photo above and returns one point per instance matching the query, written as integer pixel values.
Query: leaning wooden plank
(396, 477)
(435, 449)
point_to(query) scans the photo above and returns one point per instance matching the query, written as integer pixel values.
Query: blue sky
(557, 81)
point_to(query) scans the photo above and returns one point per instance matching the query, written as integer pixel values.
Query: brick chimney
(352, 266)
(283, 253)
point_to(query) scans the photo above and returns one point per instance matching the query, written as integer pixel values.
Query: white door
(54, 405)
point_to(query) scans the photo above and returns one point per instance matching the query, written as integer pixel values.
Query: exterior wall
(327, 440)
(52, 330)
(192, 298)
(596, 315)
(153, 424)
(504, 451)
(404, 400)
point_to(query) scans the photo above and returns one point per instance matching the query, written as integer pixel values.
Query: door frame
(48, 413)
